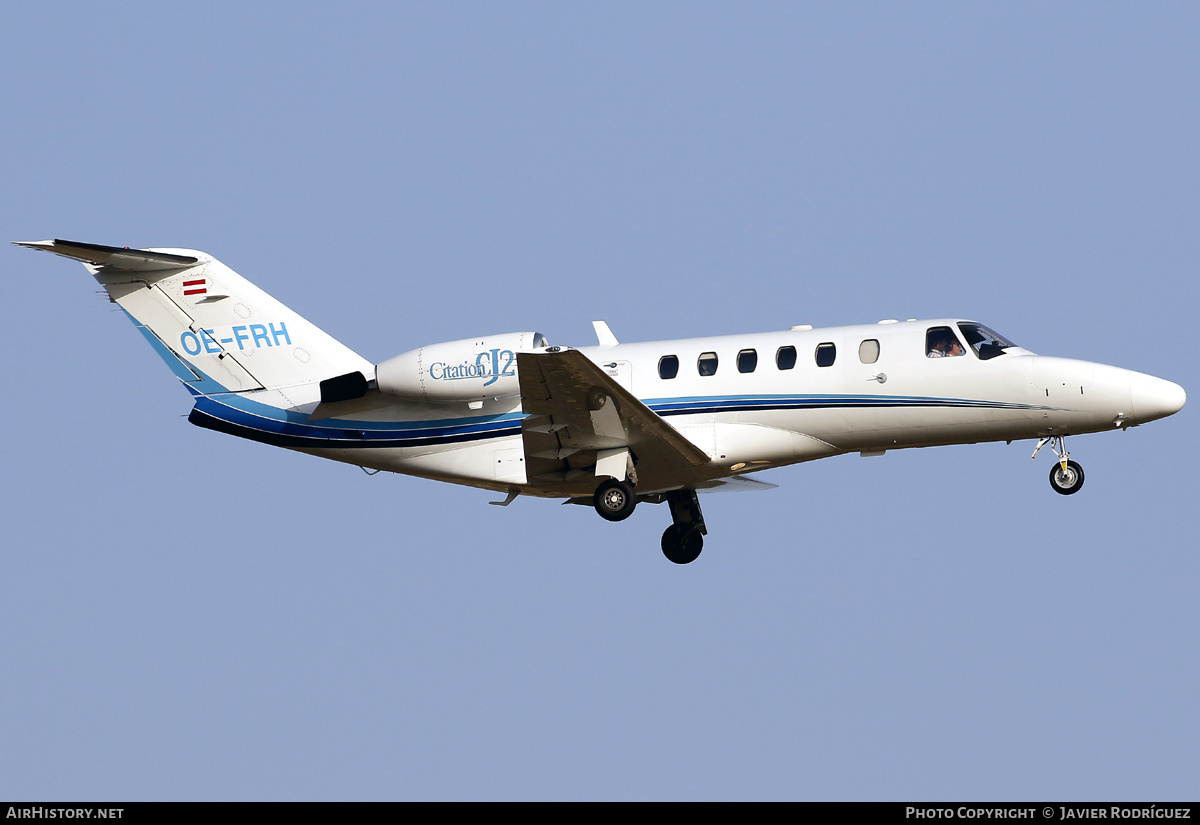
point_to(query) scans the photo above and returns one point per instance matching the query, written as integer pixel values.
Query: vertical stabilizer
(218, 332)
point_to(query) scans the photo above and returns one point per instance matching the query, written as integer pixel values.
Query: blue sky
(189, 616)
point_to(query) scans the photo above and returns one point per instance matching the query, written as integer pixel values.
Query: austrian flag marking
(196, 287)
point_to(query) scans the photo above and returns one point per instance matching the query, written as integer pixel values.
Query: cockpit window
(986, 343)
(941, 342)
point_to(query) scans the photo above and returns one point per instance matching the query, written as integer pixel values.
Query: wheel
(614, 500)
(682, 543)
(1066, 481)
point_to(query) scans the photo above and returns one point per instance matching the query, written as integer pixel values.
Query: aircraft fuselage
(748, 414)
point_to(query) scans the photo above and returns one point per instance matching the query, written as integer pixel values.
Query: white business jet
(610, 425)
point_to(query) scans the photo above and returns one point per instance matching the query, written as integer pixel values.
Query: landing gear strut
(1066, 476)
(683, 540)
(614, 500)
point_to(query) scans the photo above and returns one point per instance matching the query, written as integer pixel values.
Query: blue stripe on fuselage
(261, 422)
(242, 416)
(702, 404)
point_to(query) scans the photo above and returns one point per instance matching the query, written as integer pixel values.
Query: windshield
(986, 343)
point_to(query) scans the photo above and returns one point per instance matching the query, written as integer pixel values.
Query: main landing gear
(683, 540)
(614, 500)
(1066, 476)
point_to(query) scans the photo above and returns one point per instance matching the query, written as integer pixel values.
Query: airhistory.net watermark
(41, 812)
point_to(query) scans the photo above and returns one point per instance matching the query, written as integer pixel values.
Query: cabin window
(826, 354)
(940, 342)
(707, 363)
(668, 366)
(785, 358)
(747, 360)
(868, 351)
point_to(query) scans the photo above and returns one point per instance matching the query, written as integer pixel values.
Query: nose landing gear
(1066, 476)
(1066, 480)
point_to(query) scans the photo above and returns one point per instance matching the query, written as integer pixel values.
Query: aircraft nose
(1154, 397)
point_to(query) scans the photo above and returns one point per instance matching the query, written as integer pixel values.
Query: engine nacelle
(472, 369)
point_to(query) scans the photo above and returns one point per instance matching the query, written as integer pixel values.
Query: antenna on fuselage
(604, 335)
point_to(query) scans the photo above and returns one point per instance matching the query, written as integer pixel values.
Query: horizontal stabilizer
(114, 257)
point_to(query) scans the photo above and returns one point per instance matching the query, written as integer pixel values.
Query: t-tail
(230, 343)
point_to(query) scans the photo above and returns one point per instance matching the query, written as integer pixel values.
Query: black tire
(682, 543)
(1066, 482)
(614, 500)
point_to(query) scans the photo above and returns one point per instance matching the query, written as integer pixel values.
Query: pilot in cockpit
(940, 342)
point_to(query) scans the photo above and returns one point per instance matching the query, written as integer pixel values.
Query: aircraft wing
(583, 424)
